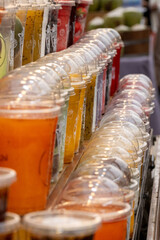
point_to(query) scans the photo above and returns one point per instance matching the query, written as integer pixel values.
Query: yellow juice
(79, 123)
(72, 119)
(38, 34)
(29, 37)
(89, 108)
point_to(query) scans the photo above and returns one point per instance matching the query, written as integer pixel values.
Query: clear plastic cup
(114, 217)
(10, 226)
(61, 224)
(72, 25)
(20, 23)
(28, 109)
(7, 177)
(29, 35)
(63, 24)
(81, 17)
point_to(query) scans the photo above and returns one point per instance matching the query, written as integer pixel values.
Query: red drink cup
(63, 24)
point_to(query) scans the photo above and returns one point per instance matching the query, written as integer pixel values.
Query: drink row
(31, 29)
(101, 198)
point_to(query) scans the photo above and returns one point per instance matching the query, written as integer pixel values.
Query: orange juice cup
(61, 225)
(27, 147)
(114, 217)
(72, 120)
(79, 123)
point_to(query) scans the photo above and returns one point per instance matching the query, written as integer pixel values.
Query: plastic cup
(114, 217)
(63, 24)
(72, 26)
(7, 177)
(72, 119)
(38, 32)
(20, 23)
(6, 41)
(29, 35)
(61, 224)
(53, 24)
(30, 151)
(81, 17)
(79, 122)
(9, 227)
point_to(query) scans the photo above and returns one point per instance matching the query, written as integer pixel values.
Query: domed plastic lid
(61, 224)
(7, 4)
(139, 77)
(98, 160)
(7, 177)
(103, 170)
(103, 152)
(88, 188)
(10, 224)
(126, 101)
(106, 131)
(108, 211)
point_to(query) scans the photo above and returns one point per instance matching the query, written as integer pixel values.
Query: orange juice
(27, 147)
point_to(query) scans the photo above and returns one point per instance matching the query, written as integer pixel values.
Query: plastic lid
(103, 152)
(103, 170)
(90, 188)
(109, 212)
(126, 101)
(98, 160)
(61, 223)
(7, 177)
(65, 2)
(10, 224)
(6, 4)
(139, 77)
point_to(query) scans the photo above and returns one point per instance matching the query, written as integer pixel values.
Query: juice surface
(89, 108)
(79, 123)
(27, 147)
(38, 34)
(72, 119)
(29, 37)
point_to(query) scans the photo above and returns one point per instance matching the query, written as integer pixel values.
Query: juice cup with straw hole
(28, 129)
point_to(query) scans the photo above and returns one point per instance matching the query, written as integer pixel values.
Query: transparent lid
(129, 106)
(118, 130)
(6, 4)
(10, 224)
(103, 152)
(28, 96)
(124, 115)
(103, 170)
(98, 160)
(7, 177)
(61, 223)
(109, 212)
(139, 77)
(125, 101)
(90, 188)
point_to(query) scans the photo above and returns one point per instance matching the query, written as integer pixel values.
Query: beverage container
(20, 23)
(29, 35)
(61, 224)
(72, 24)
(9, 227)
(28, 128)
(45, 40)
(38, 30)
(7, 177)
(63, 23)
(81, 17)
(113, 214)
(7, 28)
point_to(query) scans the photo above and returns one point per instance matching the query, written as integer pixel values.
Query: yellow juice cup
(80, 114)
(90, 93)
(72, 120)
(29, 36)
(38, 33)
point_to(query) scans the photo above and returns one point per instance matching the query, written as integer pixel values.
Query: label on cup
(3, 56)
(11, 61)
(48, 40)
(44, 26)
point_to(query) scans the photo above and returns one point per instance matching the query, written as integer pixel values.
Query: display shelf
(141, 205)
(63, 178)
(154, 216)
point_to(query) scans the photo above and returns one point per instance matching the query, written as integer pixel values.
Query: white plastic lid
(7, 177)
(10, 224)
